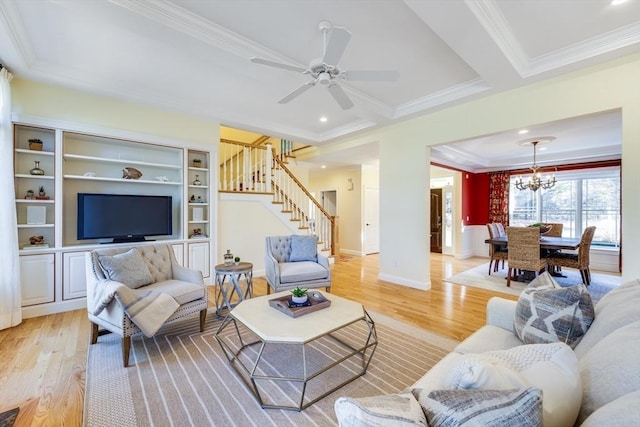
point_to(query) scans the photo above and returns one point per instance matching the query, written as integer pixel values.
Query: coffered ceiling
(192, 56)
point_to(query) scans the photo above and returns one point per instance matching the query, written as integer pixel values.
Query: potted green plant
(237, 260)
(197, 163)
(299, 295)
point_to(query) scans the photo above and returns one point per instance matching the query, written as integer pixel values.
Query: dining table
(552, 243)
(549, 243)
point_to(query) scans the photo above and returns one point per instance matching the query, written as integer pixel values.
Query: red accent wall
(475, 198)
(475, 189)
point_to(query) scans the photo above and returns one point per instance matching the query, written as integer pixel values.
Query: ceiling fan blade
(372, 75)
(297, 92)
(338, 40)
(340, 96)
(278, 65)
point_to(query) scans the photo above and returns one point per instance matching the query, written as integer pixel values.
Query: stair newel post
(268, 165)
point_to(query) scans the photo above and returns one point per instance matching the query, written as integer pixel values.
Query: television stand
(130, 239)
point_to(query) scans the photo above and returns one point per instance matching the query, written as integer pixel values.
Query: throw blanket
(147, 309)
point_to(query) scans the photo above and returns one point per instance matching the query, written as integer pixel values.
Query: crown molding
(12, 21)
(453, 93)
(598, 45)
(493, 21)
(180, 19)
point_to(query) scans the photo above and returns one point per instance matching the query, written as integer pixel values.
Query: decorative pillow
(390, 409)
(552, 368)
(128, 268)
(547, 312)
(451, 408)
(303, 248)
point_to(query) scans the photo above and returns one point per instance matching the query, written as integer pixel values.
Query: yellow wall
(348, 203)
(54, 102)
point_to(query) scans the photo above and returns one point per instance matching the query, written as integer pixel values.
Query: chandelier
(535, 180)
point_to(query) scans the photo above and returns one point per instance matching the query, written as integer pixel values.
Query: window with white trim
(580, 199)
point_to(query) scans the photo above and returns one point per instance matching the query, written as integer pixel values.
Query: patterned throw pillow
(546, 312)
(128, 268)
(396, 410)
(452, 408)
(303, 248)
(551, 368)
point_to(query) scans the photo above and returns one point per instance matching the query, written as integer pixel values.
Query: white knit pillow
(552, 368)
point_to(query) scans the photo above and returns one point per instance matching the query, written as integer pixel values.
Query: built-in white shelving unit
(73, 161)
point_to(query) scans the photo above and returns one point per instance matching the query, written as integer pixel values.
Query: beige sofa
(599, 380)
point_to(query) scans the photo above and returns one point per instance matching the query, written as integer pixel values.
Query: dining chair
(578, 261)
(556, 231)
(524, 251)
(497, 253)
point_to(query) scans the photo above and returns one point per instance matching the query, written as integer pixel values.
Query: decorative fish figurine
(131, 173)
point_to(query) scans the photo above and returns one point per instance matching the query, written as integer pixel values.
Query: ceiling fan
(325, 70)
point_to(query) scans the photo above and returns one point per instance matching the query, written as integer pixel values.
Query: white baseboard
(423, 286)
(52, 308)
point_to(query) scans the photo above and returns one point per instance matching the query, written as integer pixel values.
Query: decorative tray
(317, 300)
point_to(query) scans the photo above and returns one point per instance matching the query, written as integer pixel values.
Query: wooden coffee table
(260, 330)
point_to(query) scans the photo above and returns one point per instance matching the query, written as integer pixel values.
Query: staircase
(259, 169)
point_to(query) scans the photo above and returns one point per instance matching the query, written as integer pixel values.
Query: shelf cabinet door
(37, 273)
(199, 257)
(74, 279)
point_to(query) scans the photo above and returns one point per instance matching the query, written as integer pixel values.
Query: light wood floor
(43, 360)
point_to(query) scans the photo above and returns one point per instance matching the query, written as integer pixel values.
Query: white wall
(404, 253)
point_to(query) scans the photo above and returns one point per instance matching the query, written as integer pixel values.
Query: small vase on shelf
(197, 181)
(36, 170)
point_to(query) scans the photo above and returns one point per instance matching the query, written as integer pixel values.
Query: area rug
(181, 377)
(478, 277)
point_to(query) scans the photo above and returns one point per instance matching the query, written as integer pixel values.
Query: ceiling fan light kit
(325, 70)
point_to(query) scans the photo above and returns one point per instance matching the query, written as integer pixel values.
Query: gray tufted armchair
(184, 285)
(292, 261)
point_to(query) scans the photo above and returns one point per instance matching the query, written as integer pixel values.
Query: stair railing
(248, 168)
(303, 207)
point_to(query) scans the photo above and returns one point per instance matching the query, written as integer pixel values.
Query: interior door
(436, 220)
(371, 221)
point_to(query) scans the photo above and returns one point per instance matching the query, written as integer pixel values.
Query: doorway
(371, 221)
(436, 220)
(328, 201)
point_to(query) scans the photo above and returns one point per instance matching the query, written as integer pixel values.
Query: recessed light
(323, 166)
(323, 119)
(523, 131)
(617, 2)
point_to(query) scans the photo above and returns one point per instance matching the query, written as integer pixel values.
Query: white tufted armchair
(292, 261)
(184, 285)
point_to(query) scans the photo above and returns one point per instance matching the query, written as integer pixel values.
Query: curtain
(499, 198)
(10, 310)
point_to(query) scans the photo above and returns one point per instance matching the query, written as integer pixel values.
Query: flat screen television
(123, 217)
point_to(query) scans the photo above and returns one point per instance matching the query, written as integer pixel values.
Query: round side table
(225, 289)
